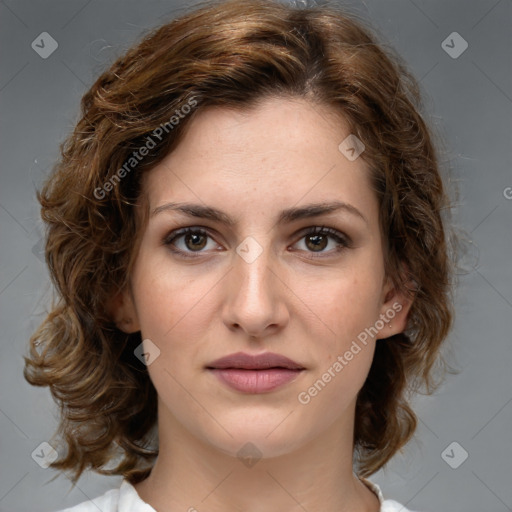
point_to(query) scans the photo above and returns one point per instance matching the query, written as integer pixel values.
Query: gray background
(469, 102)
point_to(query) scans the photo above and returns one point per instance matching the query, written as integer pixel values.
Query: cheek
(170, 301)
(345, 306)
(343, 349)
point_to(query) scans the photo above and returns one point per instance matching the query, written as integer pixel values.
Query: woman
(246, 238)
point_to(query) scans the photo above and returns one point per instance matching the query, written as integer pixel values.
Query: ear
(122, 310)
(395, 308)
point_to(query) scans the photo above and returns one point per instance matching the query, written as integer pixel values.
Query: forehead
(280, 152)
(270, 129)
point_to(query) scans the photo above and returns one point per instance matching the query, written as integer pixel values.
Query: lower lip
(256, 381)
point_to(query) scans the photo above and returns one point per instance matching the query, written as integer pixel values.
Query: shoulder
(393, 506)
(123, 499)
(126, 499)
(385, 505)
(107, 502)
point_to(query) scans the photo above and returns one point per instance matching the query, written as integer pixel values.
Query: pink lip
(244, 361)
(255, 381)
(255, 374)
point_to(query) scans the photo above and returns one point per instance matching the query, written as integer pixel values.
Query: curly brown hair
(232, 54)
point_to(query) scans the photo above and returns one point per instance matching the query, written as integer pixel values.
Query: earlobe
(127, 325)
(123, 313)
(395, 310)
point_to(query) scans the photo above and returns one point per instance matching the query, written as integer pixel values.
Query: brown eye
(323, 242)
(316, 242)
(190, 242)
(195, 241)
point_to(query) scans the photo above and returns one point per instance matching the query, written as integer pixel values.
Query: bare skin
(306, 296)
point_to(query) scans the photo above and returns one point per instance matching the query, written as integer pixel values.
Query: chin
(257, 439)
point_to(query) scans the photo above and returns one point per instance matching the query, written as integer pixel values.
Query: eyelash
(340, 238)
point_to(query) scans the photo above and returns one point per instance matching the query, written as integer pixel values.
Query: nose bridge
(254, 301)
(252, 268)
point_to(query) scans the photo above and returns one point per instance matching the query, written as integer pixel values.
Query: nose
(255, 301)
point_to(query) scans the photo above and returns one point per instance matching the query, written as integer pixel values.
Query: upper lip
(254, 362)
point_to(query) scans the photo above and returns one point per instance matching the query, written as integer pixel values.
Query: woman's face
(281, 276)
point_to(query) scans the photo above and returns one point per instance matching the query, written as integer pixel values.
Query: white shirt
(126, 499)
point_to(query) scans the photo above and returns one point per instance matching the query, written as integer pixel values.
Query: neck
(192, 474)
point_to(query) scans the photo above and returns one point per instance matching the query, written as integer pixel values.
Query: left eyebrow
(285, 216)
